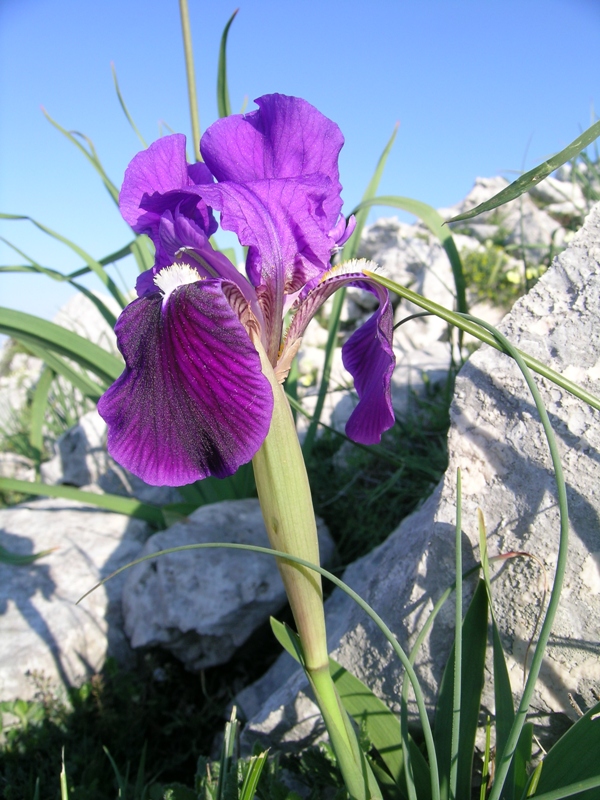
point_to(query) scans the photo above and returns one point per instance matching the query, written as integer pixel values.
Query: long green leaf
(582, 790)
(143, 252)
(79, 380)
(574, 759)
(479, 331)
(109, 502)
(435, 223)
(420, 700)
(124, 107)
(223, 104)
(458, 714)
(349, 252)
(188, 50)
(503, 700)
(535, 175)
(472, 679)
(37, 268)
(34, 330)
(91, 156)
(94, 265)
(383, 730)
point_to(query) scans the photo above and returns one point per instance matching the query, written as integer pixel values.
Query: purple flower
(193, 401)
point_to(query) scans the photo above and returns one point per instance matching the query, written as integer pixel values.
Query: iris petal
(278, 188)
(160, 178)
(192, 401)
(368, 355)
(369, 358)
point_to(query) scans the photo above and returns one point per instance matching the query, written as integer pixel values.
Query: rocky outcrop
(499, 445)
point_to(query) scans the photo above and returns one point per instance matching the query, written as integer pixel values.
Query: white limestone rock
(497, 442)
(518, 223)
(43, 630)
(202, 605)
(17, 467)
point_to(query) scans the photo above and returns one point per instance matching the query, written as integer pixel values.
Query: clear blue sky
(479, 88)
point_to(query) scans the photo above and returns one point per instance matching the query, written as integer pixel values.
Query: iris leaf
(93, 265)
(17, 560)
(535, 175)
(46, 335)
(191, 75)
(380, 724)
(38, 409)
(478, 330)
(503, 699)
(91, 155)
(435, 223)
(474, 643)
(58, 276)
(124, 107)
(109, 502)
(223, 104)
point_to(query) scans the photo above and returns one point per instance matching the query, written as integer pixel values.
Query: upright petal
(192, 401)
(278, 188)
(286, 138)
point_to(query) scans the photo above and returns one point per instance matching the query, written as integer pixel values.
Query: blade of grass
(458, 646)
(48, 335)
(480, 330)
(109, 502)
(86, 386)
(58, 276)
(436, 225)
(223, 104)
(191, 75)
(380, 724)
(17, 560)
(64, 788)
(91, 156)
(227, 753)
(124, 107)
(348, 253)
(94, 265)
(142, 250)
(503, 700)
(257, 763)
(535, 175)
(522, 759)
(474, 642)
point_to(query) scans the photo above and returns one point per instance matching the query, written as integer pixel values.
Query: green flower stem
(286, 503)
(287, 508)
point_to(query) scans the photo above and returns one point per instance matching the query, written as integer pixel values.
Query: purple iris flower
(192, 400)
